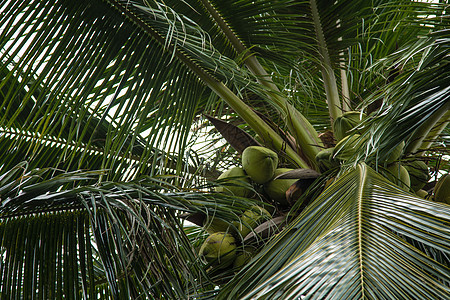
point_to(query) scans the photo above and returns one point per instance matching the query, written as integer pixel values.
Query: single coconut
(259, 163)
(347, 147)
(442, 190)
(346, 123)
(252, 218)
(235, 183)
(418, 173)
(422, 194)
(399, 175)
(276, 189)
(214, 224)
(324, 161)
(244, 256)
(219, 250)
(395, 154)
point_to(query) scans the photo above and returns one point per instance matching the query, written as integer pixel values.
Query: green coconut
(244, 256)
(347, 147)
(276, 189)
(442, 190)
(324, 161)
(252, 218)
(259, 163)
(399, 176)
(346, 122)
(395, 154)
(235, 179)
(418, 173)
(219, 250)
(213, 225)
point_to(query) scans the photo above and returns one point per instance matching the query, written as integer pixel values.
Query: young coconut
(399, 176)
(276, 189)
(219, 250)
(237, 178)
(418, 173)
(347, 147)
(259, 163)
(442, 190)
(422, 194)
(323, 159)
(244, 255)
(346, 122)
(252, 218)
(214, 224)
(395, 153)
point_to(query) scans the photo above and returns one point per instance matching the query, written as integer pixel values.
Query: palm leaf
(352, 242)
(416, 100)
(90, 83)
(119, 239)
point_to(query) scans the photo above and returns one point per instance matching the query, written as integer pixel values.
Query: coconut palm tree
(118, 116)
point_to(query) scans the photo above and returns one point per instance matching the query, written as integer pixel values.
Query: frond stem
(329, 79)
(304, 133)
(423, 131)
(363, 177)
(244, 111)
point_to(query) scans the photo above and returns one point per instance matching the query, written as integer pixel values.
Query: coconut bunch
(224, 247)
(230, 245)
(348, 134)
(413, 175)
(262, 166)
(410, 173)
(260, 170)
(233, 244)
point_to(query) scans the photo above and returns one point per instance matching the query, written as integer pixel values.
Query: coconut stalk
(242, 109)
(424, 135)
(329, 79)
(255, 122)
(302, 130)
(344, 83)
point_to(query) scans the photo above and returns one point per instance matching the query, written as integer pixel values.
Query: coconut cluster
(410, 174)
(260, 167)
(413, 175)
(260, 171)
(224, 246)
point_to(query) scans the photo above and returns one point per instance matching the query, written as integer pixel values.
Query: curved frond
(416, 100)
(353, 242)
(81, 72)
(123, 239)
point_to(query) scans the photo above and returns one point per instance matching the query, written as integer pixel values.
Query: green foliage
(104, 152)
(348, 241)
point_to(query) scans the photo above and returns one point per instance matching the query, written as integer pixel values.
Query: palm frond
(72, 72)
(124, 239)
(117, 85)
(353, 242)
(416, 100)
